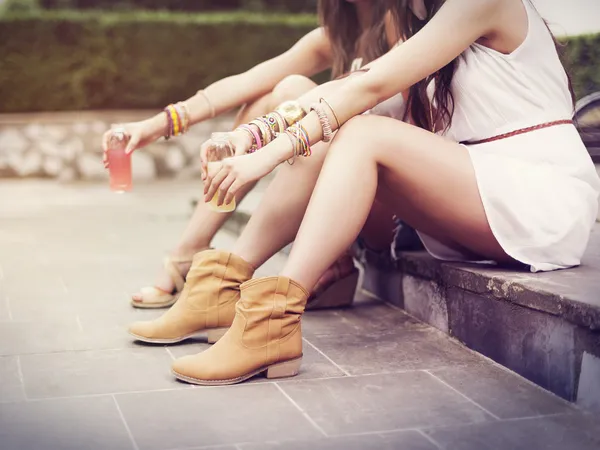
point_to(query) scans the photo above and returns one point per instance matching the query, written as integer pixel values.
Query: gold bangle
(291, 111)
(211, 108)
(337, 121)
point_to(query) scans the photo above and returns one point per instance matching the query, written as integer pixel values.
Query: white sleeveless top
(496, 93)
(539, 189)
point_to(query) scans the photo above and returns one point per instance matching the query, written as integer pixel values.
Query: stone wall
(67, 146)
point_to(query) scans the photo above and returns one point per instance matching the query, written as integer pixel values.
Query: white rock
(67, 174)
(143, 166)
(28, 164)
(12, 141)
(49, 148)
(99, 127)
(34, 131)
(52, 165)
(91, 167)
(72, 148)
(55, 133)
(174, 159)
(81, 127)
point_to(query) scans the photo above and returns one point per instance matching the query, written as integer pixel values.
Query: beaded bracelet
(256, 143)
(184, 115)
(323, 120)
(277, 122)
(174, 121)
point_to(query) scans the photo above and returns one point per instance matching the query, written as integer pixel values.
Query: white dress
(539, 189)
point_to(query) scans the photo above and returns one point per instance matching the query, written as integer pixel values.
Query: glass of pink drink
(119, 162)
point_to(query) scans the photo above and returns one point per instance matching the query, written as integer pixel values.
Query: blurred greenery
(74, 60)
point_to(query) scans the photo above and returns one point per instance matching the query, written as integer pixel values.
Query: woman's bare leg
(205, 223)
(428, 180)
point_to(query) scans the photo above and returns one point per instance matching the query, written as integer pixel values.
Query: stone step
(544, 326)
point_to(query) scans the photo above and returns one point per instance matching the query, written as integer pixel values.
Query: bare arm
(310, 55)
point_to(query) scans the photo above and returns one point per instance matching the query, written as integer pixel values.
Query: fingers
(224, 189)
(232, 191)
(203, 162)
(215, 182)
(132, 144)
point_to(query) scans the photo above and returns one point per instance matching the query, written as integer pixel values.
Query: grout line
(135, 446)
(462, 395)
(327, 358)
(104, 394)
(168, 350)
(304, 413)
(238, 447)
(21, 377)
(539, 416)
(429, 438)
(8, 309)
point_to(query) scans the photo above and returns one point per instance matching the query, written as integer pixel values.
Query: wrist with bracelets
(178, 119)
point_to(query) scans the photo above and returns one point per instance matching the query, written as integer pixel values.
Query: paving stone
(314, 364)
(405, 440)
(382, 403)
(97, 372)
(501, 392)
(213, 416)
(63, 424)
(11, 388)
(572, 432)
(366, 316)
(398, 350)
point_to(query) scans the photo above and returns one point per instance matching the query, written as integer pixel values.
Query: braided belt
(520, 131)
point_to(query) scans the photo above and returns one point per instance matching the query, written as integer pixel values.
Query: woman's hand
(240, 142)
(228, 176)
(138, 134)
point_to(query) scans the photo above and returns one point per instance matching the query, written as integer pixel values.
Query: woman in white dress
(504, 176)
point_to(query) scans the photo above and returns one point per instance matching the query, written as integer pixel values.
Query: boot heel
(215, 334)
(285, 369)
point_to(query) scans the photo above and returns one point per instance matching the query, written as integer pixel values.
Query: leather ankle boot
(265, 337)
(206, 304)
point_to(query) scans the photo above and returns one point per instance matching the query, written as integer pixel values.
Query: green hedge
(72, 61)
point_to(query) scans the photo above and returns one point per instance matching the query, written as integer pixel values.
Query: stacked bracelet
(256, 141)
(178, 119)
(266, 133)
(300, 142)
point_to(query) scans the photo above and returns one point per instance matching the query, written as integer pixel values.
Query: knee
(290, 88)
(355, 137)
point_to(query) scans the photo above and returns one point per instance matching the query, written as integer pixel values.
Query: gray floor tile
(382, 402)
(97, 372)
(11, 387)
(366, 316)
(402, 349)
(570, 432)
(314, 364)
(213, 416)
(405, 440)
(63, 424)
(42, 307)
(39, 337)
(501, 392)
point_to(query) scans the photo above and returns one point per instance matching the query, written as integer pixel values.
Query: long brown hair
(419, 107)
(339, 19)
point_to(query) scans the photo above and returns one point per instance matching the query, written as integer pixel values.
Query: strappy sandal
(153, 297)
(337, 287)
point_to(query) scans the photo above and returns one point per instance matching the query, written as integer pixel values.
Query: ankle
(184, 251)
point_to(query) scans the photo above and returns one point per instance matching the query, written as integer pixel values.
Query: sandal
(154, 297)
(337, 286)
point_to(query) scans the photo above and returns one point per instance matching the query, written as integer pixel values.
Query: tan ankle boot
(265, 337)
(206, 304)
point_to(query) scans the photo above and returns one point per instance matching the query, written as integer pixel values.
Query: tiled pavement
(372, 377)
